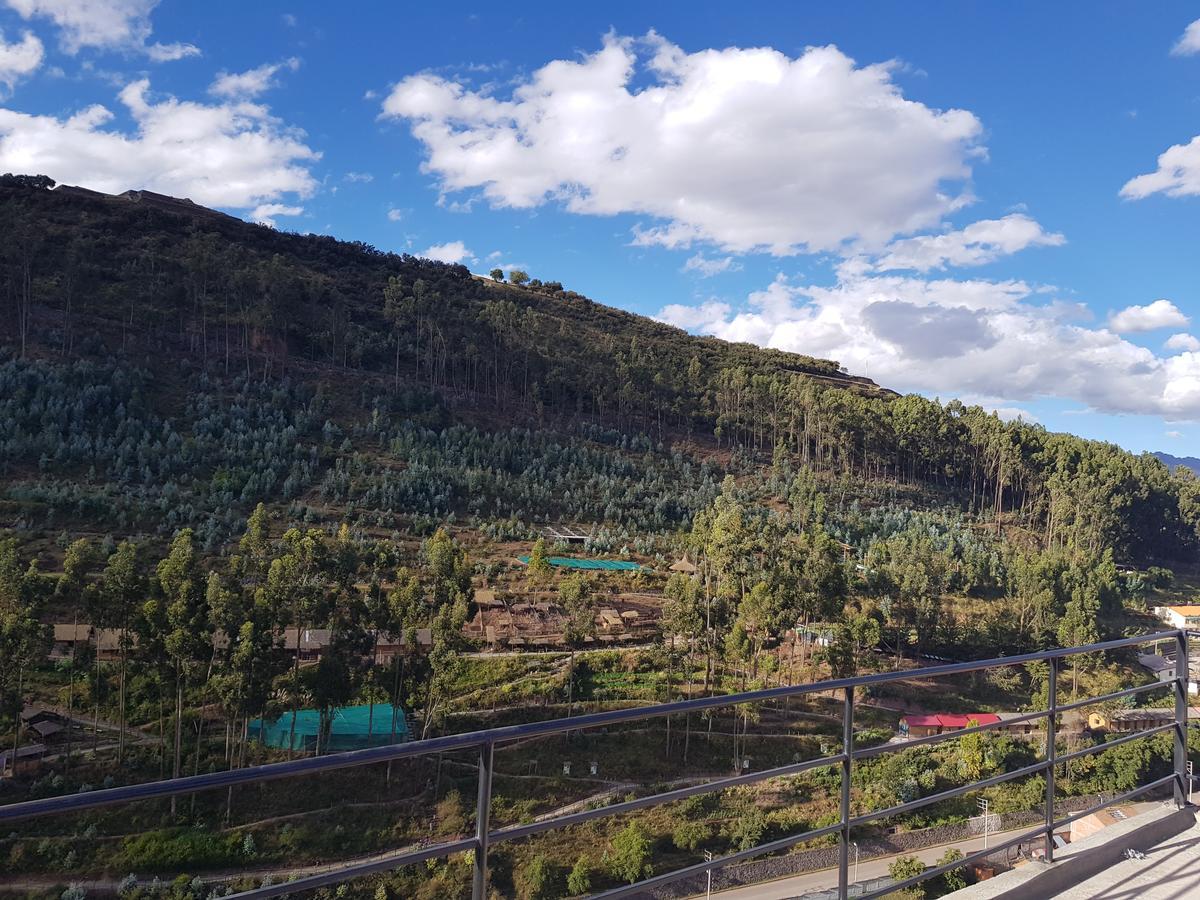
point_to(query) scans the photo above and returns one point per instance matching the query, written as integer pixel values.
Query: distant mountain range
(1172, 461)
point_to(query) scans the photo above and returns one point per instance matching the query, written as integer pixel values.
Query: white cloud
(1003, 341)
(708, 318)
(265, 213)
(359, 177)
(975, 245)
(1152, 316)
(395, 215)
(289, 20)
(170, 52)
(1189, 43)
(1182, 341)
(19, 58)
(706, 267)
(233, 155)
(1177, 175)
(1174, 435)
(1015, 413)
(103, 24)
(450, 252)
(748, 149)
(252, 82)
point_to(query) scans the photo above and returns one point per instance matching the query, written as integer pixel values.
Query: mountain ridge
(1174, 462)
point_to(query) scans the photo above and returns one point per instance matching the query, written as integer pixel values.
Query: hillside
(145, 331)
(213, 434)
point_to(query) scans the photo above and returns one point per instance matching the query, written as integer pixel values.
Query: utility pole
(982, 803)
(708, 857)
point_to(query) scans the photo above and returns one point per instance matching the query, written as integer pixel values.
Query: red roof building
(921, 726)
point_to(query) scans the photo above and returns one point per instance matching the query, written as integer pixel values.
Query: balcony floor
(1171, 871)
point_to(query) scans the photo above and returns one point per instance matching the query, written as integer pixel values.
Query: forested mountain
(1174, 462)
(214, 435)
(170, 364)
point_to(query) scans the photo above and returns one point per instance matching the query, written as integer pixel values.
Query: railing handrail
(485, 742)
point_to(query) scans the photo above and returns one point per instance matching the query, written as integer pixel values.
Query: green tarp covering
(350, 729)
(570, 562)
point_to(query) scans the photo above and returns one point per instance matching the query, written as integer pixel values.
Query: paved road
(797, 885)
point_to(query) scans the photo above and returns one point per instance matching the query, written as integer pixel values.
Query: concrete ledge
(1086, 858)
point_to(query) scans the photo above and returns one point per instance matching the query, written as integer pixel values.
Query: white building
(1179, 616)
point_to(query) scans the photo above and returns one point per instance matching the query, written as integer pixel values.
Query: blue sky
(960, 199)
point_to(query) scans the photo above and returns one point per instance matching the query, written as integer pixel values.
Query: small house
(25, 760)
(1184, 616)
(684, 566)
(389, 645)
(68, 637)
(915, 726)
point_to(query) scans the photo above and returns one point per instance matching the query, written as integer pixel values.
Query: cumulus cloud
(1189, 43)
(265, 213)
(19, 58)
(1015, 414)
(707, 267)
(747, 149)
(450, 252)
(1005, 341)
(395, 215)
(103, 24)
(234, 155)
(975, 245)
(252, 82)
(359, 177)
(1182, 341)
(1174, 435)
(1177, 175)
(1152, 316)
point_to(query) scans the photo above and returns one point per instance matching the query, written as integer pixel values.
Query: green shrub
(178, 849)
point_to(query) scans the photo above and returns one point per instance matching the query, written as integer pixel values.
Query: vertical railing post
(483, 815)
(1182, 676)
(847, 764)
(1051, 752)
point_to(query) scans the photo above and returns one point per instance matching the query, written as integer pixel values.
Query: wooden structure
(565, 534)
(25, 760)
(389, 645)
(684, 566)
(68, 636)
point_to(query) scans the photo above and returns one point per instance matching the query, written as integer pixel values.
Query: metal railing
(485, 743)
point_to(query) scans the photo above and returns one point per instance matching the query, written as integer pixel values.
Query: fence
(485, 742)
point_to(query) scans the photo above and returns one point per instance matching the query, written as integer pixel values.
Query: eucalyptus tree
(74, 585)
(124, 587)
(184, 614)
(23, 638)
(579, 623)
(682, 617)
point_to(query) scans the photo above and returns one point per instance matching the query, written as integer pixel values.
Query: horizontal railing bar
(869, 752)
(470, 740)
(516, 832)
(700, 868)
(1115, 695)
(1115, 742)
(957, 864)
(866, 818)
(356, 870)
(1115, 801)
